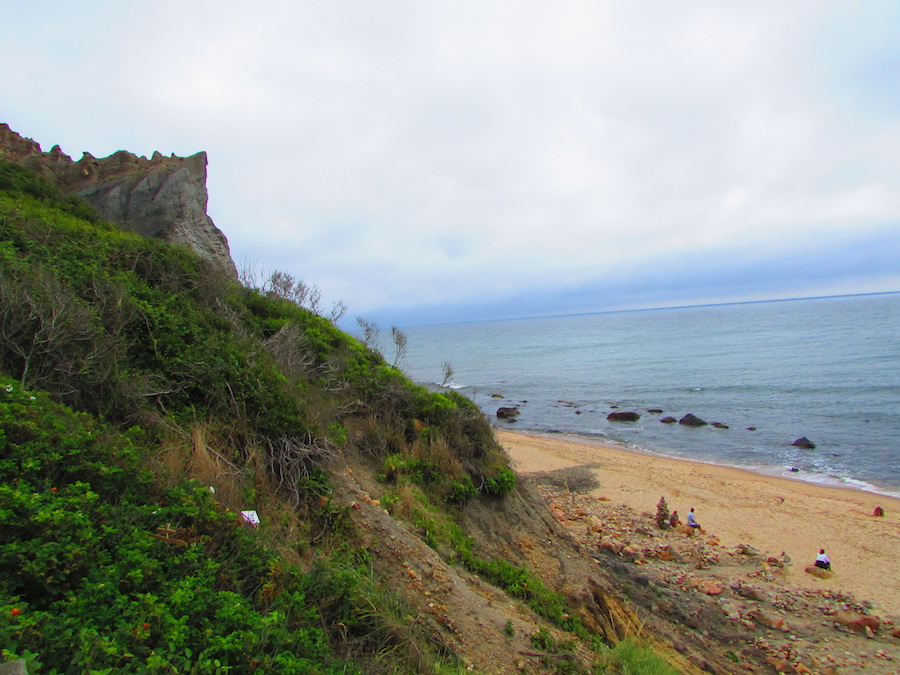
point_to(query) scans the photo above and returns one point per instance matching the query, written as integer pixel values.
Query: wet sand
(770, 513)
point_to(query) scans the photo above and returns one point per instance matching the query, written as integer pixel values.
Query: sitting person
(692, 521)
(878, 512)
(674, 521)
(822, 560)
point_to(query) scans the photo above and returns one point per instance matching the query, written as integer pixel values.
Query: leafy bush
(113, 347)
(633, 657)
(84, 584)
(501, 484)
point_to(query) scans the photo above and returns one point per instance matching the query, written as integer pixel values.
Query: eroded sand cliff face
(162, 197)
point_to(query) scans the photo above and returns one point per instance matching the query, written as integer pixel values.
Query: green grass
(633, 657)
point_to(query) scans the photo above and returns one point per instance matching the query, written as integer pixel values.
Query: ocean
(827, 369)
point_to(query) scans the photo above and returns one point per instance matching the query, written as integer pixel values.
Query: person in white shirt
(822, 560)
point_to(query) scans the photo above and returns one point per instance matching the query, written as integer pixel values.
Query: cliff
(162, 197)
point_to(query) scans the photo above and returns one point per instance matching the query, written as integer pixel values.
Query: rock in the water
(804, 443)
(623, 416)
(691, 420)
(507, 413)
(668, 420)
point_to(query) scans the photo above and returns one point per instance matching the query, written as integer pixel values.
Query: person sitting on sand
(822, 560)
(878, 511)
(692, 521)
(674, 520)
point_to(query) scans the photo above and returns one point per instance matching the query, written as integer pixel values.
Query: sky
(430, 162)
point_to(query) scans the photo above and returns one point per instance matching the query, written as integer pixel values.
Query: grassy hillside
(145, 400)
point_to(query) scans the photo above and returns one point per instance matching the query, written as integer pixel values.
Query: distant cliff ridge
(162, 197)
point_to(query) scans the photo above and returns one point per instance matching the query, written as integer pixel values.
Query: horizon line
(660, 308)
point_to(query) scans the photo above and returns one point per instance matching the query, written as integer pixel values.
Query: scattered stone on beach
(804, 443)
(710, 588)
(857, 622)
(668, 420)
(767, 618)
(736, 595)
(507, 413)
(819, 572)
(623, 416)
(691, 420)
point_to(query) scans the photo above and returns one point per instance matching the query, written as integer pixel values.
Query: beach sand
(772, 514)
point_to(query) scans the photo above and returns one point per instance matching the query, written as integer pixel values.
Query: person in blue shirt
(692, 521)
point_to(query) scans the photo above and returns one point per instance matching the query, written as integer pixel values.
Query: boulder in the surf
(804, 443)
(691, 420)
(623, 416)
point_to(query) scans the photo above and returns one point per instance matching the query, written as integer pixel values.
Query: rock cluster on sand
(736, 596)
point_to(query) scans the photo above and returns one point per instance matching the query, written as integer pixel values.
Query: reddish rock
(711, 588)
(768, 619)
(857, 622)
(819, 572)
(781, 665)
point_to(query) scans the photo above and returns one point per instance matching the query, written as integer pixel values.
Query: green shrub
(86, 587)
(461, 491)
(501, 484)
(633, 657)
(134, 341)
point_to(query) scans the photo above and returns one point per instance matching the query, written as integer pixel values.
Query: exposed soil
(736, 597)
(706, 608)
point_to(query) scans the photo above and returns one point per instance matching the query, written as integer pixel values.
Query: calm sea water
(827, 369)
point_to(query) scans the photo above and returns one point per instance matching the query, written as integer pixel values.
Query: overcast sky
(442, 161)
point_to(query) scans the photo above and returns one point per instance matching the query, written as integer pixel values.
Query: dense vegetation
(146, 399)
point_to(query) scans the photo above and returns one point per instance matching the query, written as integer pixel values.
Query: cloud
(402, 154)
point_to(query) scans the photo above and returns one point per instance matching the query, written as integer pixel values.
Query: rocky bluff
(162, 197)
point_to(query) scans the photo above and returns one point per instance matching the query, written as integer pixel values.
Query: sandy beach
(738, 506)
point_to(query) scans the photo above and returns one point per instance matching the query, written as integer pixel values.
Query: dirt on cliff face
(735, 599)
(706, 608)
(487, 629)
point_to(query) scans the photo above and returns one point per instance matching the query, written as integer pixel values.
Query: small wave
(831, 480)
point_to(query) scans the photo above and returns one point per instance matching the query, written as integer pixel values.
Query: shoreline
(770, 471)
(741, 506)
